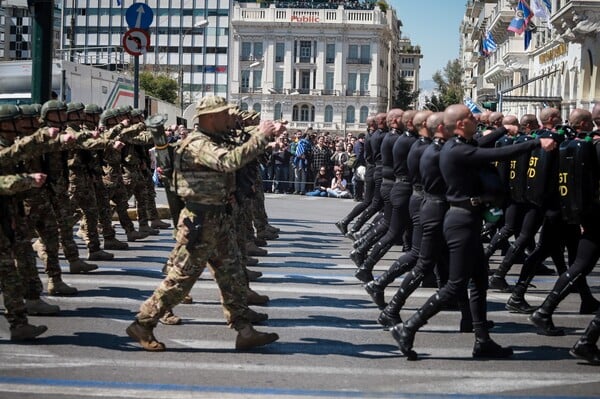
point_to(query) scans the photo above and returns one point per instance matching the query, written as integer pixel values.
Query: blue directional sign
(139, 15)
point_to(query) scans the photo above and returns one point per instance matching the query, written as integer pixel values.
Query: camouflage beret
(212, 105)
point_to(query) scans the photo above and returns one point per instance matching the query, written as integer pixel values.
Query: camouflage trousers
(242, 218)
(104, 209)
(24, 253)
(203, 236)
(117, 193)
(135, 185)
(259, 214)
(41, 217)
(83, 197)
(151, 195)
(63, 209)
(11, 285)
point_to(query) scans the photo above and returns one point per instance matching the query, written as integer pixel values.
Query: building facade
(325, 68)
(560, 67)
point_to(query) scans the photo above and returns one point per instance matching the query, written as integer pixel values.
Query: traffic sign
(136, 41)
(139, 15)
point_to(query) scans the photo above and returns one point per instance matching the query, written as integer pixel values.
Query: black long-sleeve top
(400, 151)
(414, 159)
(387, 156)
(368, 151)
(375, 143)
(460, 161)
(429, 167)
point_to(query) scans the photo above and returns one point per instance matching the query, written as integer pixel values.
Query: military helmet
(75, 107)
(52, 105)
(110, 113)
(212, 105)
(93, 109)
(9, 112)
(136, 112)
(30, 110)
(123, 110)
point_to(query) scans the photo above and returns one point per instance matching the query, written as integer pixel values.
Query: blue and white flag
(472, 106)
(489, 44)
(542, 9)
(119, 3)
(523, 15)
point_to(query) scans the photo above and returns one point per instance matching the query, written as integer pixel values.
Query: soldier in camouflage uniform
(149, 191)
(204, 176)
(112, 126)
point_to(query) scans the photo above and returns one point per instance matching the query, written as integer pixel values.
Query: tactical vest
(577, 178)
(197, 183)
(517, 179)
(503, 166)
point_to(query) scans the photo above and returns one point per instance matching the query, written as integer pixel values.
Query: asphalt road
(330, 345)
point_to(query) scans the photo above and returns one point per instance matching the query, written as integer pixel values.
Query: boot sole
(271, 339)
(578, 356)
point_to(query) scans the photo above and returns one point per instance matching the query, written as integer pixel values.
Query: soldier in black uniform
(588, 249)
(393, 121)
(369, 184)
(460, 162)
(411, 206)
(374, 153)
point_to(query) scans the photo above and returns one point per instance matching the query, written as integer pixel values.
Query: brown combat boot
(58, 287)
(100, 255)
(81, 266)
(253, 275)
(254, 317)
(170, 319)
(114, 244)
(135, 235)
(37, 307)
(253, 250)
(25, 332)
(254, 298)
(159, 224)
(145, 337)
(187, 299)
(248, 338)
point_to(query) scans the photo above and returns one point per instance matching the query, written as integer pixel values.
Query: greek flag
(119, 3)
(542, 9)
(489, 44)
(472, 106)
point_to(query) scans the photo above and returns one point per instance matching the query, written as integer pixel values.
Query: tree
(404, 96)
(449, 86)
(160, 86)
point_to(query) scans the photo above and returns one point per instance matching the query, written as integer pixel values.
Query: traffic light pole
(42, 13)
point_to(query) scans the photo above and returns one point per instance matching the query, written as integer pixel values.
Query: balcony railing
(357, 93)
(358, 60)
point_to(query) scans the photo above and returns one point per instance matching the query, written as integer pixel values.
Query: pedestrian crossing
(330, 343)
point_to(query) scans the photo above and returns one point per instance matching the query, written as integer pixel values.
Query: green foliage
(404, 97)
(383, 5)
(160, 86)
(449, 87)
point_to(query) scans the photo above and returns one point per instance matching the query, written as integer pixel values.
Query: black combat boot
(404, 334)
(485, 347)
(517, 303)
(390, 316)
(542, 317)
(586, 347)
(342, 225)
(376, 287)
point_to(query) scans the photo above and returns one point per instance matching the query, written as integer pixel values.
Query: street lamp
(199, 24)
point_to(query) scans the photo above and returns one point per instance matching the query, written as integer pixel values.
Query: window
(305, 50)
(330, 53)
(350, 114)
(278, 80)
(328, 113)
(351, 85)
(279, 52)
(329, 80)
(364, 113)
(353, 51)
(256, 107)
(305, 80)
(246, 51)
(407, 60)
(244, 106)
(245, 81)
(365, 52)
(257, 80)
(408, 74)
(303, 113)
(277, 113)
(258, 50)
(364, 82)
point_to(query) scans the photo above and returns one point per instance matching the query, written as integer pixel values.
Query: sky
(433, 25)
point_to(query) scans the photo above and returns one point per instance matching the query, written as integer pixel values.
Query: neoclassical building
(326, 68)
(559, 68)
